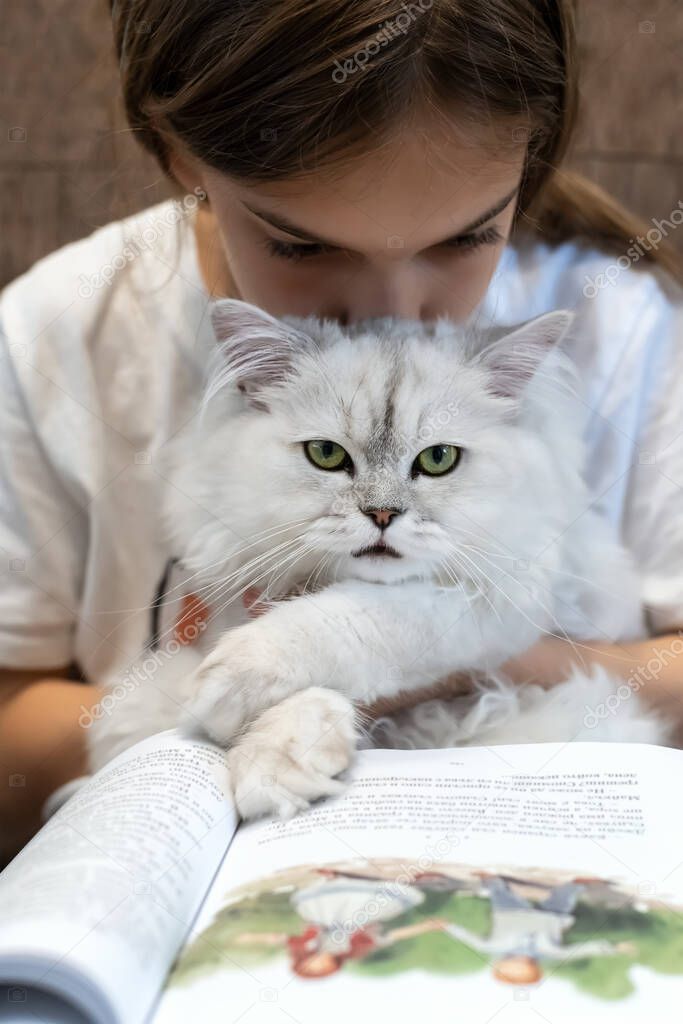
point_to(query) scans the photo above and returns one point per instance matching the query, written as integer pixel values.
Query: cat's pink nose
(382, 516)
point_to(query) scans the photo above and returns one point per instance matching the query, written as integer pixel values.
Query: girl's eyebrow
(282, 224)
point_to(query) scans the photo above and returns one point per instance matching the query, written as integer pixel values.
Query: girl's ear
(256, 349)
(514, 358)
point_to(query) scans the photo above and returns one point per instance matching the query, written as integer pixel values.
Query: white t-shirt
(103, 346)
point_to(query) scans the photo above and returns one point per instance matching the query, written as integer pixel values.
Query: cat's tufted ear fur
(256, 349)
(515, 355)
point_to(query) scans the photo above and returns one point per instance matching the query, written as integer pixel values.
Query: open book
(517, 883)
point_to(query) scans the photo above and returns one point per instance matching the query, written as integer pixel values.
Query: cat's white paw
(251, 668)
(292, 753)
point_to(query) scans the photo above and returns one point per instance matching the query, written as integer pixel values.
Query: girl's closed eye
(296, 251)
(487, 236)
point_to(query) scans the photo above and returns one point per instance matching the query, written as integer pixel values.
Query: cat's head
(384, 451)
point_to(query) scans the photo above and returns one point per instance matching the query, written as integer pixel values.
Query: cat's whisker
(318, 565)
(500, 590)
(225, 604)
(575, 644)
(286, 564)
(270, 531)
(245, 566)
(473, 610)
(235, 580)
(562, 635)
(336, 568)
(492, 581)
(490, 539)
(292, 557)
(336, 559)
(322, 569)
(592, 583)
(265, 535)
(443, 564)
(199, 591)
(217, 587)
(556, 572)
(542, 605)
(245, 573)
(452, 571)
(307, 550)
(258, 538)
(476, 579)
(471, 570)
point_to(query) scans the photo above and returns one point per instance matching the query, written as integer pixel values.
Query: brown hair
(270, 89)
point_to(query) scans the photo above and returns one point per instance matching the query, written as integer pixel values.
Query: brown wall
(71, 166)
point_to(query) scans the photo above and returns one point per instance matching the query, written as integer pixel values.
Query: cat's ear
(514, 358)
(256, 349)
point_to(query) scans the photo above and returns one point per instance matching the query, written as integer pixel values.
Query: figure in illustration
(345, 916)
(524, 933)
(378, 919)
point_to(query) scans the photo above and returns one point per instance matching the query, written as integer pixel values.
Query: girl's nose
(402, 293)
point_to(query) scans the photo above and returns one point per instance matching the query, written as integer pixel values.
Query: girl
(345, 160)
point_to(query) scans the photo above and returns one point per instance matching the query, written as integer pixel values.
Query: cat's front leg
(292, 754)
(365, 640)
(253, 668)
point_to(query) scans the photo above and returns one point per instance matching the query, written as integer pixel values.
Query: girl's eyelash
(296, 251)
(489, 236)
(293, 250)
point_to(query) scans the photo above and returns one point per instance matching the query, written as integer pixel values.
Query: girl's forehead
(411, 193)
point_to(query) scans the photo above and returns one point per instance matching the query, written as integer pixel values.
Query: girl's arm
(42, 745)
(653, 668)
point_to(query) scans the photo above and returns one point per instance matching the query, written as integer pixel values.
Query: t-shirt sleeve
(654, 502)
(42, 538)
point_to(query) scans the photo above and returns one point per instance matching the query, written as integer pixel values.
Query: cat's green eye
(437, 460)
(327, 455)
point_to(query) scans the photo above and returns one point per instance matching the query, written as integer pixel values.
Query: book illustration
(378, 918)
(146, 874)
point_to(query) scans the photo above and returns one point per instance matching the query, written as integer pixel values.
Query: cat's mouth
(380, 550)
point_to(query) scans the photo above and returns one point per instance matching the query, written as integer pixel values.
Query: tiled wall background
(68, 164)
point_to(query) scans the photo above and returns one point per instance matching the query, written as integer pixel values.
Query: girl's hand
(250, 600)
(255, 607)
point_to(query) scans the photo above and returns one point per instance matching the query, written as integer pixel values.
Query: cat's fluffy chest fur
(423, 486)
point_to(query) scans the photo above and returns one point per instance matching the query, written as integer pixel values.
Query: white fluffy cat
(422, 486)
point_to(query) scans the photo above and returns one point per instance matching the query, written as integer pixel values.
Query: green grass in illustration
(657, 936)
(216, 948)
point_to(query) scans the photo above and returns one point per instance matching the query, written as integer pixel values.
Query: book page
(528, 882)
(98, 903)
